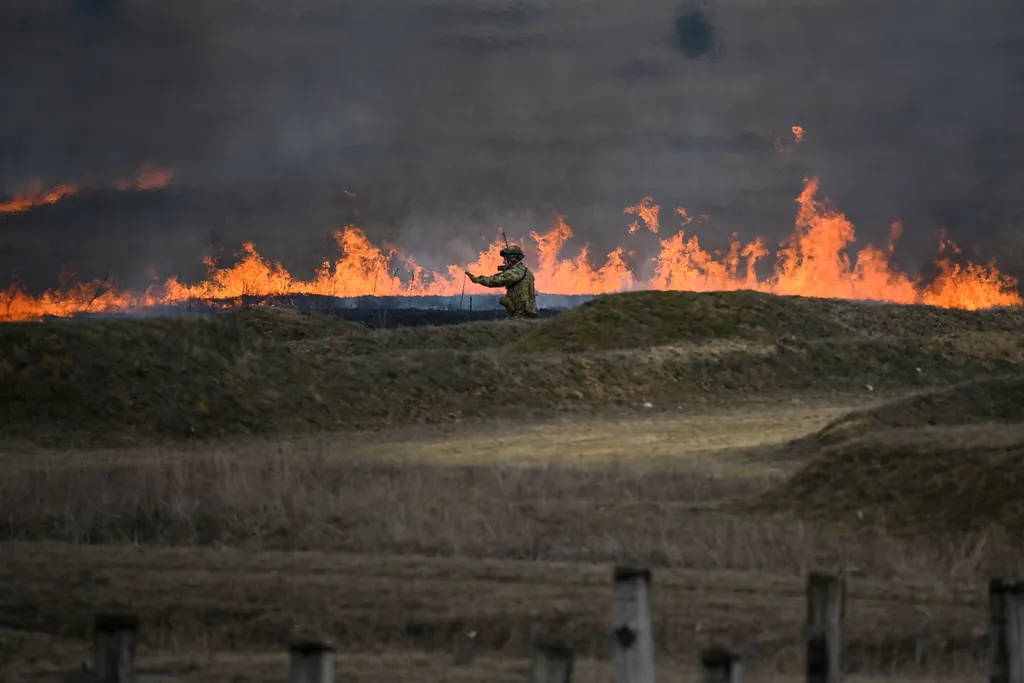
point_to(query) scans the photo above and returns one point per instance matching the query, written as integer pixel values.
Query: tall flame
(811, 262)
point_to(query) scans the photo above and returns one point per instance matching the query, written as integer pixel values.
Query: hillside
(645, 319)
(432, 531)
(997, 400)
(935, 480)
(269, 371)
(949, 461)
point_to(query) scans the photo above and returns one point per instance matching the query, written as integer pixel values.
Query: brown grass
(936, 462)
(271, 372)
(383, 550)
(995, 400)
(927, 480)
(398, 542)
(218, 600)
(648, 319)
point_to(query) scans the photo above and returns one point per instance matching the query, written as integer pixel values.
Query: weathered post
(1006, 631)
(311, 662)
(115, 639)
(719, 665)
(634, 651)
(552, 663)
(826, 607)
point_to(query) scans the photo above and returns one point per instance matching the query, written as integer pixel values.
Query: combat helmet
(512, 251)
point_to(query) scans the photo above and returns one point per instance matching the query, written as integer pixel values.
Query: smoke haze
(447, 118)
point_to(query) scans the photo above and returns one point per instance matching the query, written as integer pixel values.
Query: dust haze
(431, 122)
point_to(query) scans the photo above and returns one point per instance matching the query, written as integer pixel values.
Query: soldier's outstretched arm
(503, 278)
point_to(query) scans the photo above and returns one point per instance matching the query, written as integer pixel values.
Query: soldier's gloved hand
(471, 276)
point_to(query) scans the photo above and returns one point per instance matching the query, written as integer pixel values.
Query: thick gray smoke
(447, 118)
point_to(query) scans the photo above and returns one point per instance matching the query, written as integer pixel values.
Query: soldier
(520, 298)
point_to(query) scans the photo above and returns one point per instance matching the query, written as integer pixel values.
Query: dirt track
(686, 433)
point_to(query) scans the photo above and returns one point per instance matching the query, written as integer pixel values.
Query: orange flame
(786, 149)
(648, 211)
(148, 178)
(33, 194)
(811, 262)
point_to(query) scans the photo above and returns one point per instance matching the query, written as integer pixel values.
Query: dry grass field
(479, 489)
(431, 500)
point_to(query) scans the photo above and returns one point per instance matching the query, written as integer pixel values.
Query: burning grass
(34, 195)
(270, 371)
(814, 260)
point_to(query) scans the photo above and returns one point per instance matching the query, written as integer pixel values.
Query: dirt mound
(996, 399)
(646, 319)
(930, 480)
(77, 383)
(264, 371)
(281, 323)
(943, 461)
(422, 317)
(880, 320)
(272, 324)
(472, 336)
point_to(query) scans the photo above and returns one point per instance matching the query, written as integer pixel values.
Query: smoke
(447, 118)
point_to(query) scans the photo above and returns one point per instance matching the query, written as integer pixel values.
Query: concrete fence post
(310, 662)
(552, 663)
(634, 641)
(826, 607)
(1006, 631)
(719, 665)
(115, 639)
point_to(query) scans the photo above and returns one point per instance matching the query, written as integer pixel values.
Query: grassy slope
(264, 371)
(939, 462)
(932, 480)
(505, 551)
(410, 556)
(644, 319)
(996, 399)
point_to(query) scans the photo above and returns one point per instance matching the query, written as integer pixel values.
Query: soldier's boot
(509, 307)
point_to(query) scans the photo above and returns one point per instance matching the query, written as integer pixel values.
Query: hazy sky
(447, 119)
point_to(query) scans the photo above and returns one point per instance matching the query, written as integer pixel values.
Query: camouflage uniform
(520, 298)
